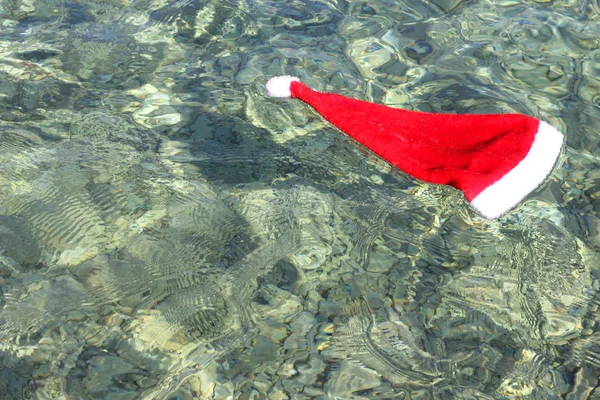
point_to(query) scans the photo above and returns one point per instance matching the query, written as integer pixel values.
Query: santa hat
(494, 159)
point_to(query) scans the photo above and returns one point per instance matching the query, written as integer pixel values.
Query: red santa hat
(494, 159)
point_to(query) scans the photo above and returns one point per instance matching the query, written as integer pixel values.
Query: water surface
(169, 232)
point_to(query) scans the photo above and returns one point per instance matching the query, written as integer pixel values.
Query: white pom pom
(279, 86)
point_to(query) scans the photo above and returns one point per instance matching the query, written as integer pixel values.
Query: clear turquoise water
(169, 232)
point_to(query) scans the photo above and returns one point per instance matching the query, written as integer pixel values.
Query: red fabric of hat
(494, 159)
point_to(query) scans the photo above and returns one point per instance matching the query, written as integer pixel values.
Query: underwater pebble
(368, 54)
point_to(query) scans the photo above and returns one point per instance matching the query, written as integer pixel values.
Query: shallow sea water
(169, 232)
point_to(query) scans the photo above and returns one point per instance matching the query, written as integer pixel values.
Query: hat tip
(279, 86)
